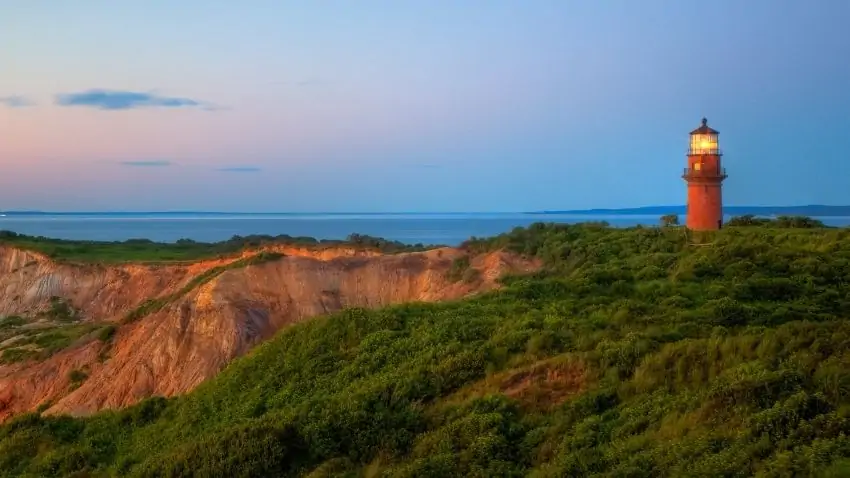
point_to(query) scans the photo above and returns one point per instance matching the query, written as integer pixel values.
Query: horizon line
(387, 213)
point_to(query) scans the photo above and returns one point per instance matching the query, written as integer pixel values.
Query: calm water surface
(449, 229)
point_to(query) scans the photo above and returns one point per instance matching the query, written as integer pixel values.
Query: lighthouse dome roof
(705, 129)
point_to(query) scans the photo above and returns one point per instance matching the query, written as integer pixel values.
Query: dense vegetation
(634, 353)
(144, 250)
(780, 222)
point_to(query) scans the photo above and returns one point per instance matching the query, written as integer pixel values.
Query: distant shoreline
(808, 210)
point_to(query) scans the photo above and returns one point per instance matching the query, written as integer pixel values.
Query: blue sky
(417, 105)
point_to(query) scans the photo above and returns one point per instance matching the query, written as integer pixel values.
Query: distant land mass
(813, 210)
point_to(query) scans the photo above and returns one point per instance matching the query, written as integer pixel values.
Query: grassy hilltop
(145, 250)
(635, 353)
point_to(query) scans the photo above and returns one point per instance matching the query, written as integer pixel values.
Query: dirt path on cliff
(204, 314)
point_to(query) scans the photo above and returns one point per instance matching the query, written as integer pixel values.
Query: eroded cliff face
(193, 336)
(28, 280)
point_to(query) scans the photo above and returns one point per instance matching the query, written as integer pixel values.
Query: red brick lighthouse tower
(705, 176)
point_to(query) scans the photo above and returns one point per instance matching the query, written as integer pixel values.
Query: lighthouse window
(697, 166)
(703, 143)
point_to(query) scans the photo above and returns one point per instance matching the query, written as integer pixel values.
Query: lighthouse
(704, 175)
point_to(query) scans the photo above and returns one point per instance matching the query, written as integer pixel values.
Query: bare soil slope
(194, 335)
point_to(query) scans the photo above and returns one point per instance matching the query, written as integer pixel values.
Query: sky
(420, 105)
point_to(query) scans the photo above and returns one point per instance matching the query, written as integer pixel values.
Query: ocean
(447, 229)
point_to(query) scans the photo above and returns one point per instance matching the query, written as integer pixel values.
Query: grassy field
(143, 250)
(633, 354)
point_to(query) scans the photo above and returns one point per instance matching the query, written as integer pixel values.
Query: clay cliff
(207, 313)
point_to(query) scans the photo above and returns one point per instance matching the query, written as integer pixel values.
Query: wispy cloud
(240, 169)
(147, 163)
(16, 101)
(125, 100)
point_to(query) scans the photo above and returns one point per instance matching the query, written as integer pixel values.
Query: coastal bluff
(144, 330)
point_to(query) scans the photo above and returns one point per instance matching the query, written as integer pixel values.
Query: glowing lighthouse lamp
(704, 176)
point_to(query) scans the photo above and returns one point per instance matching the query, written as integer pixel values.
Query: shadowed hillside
(633, 353)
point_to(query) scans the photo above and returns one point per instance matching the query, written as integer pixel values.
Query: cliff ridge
(132, 331)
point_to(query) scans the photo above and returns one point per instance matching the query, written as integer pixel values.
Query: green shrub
(12, 321)
(459, 267)
(107, 333)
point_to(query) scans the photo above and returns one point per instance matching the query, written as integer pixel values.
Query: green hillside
(634, 354)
